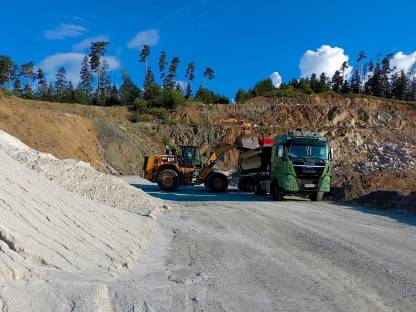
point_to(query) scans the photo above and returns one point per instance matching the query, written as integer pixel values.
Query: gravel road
(240, 252)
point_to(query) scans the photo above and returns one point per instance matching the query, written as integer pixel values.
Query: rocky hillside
(374, 139)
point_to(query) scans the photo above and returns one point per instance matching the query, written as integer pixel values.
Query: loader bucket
(247, 141)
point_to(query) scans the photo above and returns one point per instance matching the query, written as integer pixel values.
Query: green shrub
(169, 99)
(135, 117)
(161, 114)
(141, 106)
(207, 96)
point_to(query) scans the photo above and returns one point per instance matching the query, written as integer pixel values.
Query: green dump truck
(293, 163)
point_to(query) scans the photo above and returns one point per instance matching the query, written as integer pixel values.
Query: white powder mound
(81, 178)
(44, 229)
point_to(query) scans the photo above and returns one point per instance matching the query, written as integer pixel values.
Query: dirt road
(239, 252)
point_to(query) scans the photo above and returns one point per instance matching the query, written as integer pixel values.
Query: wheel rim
(218, 184)
(168, 181)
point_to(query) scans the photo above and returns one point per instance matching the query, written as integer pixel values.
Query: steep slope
(373, 138)
(53, 241)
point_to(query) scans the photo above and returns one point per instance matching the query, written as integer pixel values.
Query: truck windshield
(297, 150)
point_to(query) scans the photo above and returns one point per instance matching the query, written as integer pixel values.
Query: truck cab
(300, 163)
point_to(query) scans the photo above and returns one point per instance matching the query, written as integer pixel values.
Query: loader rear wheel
(217, 182)
(168, 180)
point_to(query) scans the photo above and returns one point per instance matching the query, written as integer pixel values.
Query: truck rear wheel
(276, 192)
(168, 180)
(258, 190)
(317, 196)
(217, 182)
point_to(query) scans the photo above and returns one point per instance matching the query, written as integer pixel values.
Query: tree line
(378, 78)
(96, 87)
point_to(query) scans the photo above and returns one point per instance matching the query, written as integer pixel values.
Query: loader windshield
(316, 150)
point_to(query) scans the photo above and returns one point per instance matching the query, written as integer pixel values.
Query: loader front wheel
(217, 182)
(168, 180)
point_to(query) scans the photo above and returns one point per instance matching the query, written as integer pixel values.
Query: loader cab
(189, 156)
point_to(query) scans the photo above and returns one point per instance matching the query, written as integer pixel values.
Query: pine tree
(376, 85)
(149, 83)
(27, 71)
(27, 92)
(7, 71)
(42, 85)
(97, 53)
(412, 89)
(162, 65)
(104, 84)
(356, 81)
(144, 56)
(399, 86)
(385, 76)
(314, 83)
(86, 80)
(209, 74)
(337, 81)
(129, 92)
(169, 82)
(190, 76)
(323, 82)
(69, 93)
(60, 85)
(113, 98)
(361, 70)
(17, 87)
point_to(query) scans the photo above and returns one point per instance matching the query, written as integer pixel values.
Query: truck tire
(217, 182)
(317, 196)
(276, 192)
(258, 190)
(168, 180)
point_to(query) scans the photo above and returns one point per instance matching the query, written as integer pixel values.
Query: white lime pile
(81, 178)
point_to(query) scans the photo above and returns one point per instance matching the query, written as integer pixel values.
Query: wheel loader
(185, 166)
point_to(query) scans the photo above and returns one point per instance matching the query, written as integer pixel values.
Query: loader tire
(217, 182)
(168, 180)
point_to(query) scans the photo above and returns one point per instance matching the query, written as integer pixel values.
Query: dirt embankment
(374, 139)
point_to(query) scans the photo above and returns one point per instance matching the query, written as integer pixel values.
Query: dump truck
(297, 162)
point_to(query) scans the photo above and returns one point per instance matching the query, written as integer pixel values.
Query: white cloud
(276, 79)
(86, 43)
(403, 62)
(149, 37)
(324, 60)
(72, 64)
(65, 31)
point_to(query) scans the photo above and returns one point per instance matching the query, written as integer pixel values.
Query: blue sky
(244, 41)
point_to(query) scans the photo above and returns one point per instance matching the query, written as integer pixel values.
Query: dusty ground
(239, 252)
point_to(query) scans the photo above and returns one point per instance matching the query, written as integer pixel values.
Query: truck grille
(305, 172)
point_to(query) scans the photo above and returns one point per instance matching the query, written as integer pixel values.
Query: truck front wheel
(317, 196)
(276, 192)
